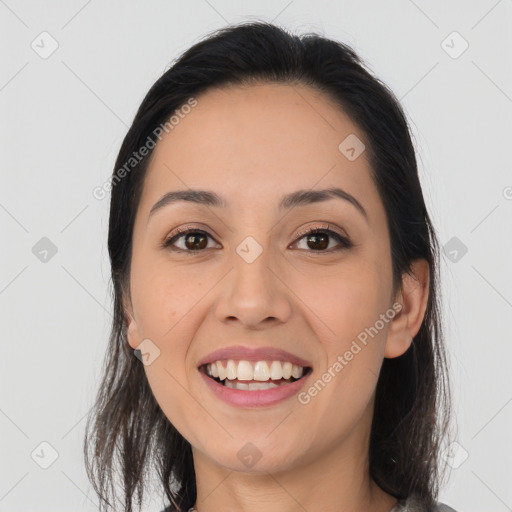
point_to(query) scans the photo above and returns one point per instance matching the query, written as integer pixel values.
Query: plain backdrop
(72, 75)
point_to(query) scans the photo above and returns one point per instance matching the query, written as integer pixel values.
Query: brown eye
(193, 240)
(318, 240)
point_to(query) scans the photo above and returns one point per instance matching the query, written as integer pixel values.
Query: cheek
(162, 296)
(166, 316)
(163, 300)
(348, 305)
(344, 302)
(167, 379)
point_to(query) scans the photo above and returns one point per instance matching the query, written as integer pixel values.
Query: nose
(254, 293)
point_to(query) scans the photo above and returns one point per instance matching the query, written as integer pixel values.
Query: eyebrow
(298, 198)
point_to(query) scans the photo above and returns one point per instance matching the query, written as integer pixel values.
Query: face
(248, 275)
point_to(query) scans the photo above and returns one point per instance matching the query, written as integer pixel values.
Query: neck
(336, 480)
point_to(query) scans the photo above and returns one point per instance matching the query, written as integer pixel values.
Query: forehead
(262, 140)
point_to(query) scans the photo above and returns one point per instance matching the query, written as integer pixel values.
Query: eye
(194, 239)
(318, 239)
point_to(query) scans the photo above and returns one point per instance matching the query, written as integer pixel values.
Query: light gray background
(63, 119)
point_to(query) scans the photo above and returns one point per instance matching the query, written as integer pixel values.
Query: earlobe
(132, 334)
(131, 329)
(413, 296)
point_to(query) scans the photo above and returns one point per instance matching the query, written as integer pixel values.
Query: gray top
(412, 504)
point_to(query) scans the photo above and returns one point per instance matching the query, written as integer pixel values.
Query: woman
(275, 272)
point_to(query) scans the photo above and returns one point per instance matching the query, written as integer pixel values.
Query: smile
(254, 383)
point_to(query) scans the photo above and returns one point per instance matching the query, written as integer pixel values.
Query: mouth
(254, 375)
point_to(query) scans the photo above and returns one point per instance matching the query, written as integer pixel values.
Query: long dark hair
(126, 428)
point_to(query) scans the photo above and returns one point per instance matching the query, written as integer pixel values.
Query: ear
(413, 296)
(132, 330)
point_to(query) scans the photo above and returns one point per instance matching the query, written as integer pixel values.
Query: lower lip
(256, 398)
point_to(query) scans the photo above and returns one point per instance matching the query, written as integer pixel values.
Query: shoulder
(414, 504)
(441, 507)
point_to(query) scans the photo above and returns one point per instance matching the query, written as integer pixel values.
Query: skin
(252, 145)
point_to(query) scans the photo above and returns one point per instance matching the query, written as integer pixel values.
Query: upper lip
(239, 352)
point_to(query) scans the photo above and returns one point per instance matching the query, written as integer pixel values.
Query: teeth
(221, 370)
(212, 369)
(260, 370)
(296, 371)
(245, 371)
(276, 370)
(237, 385)
(231, 370)
(250, 387)
(287, 370)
